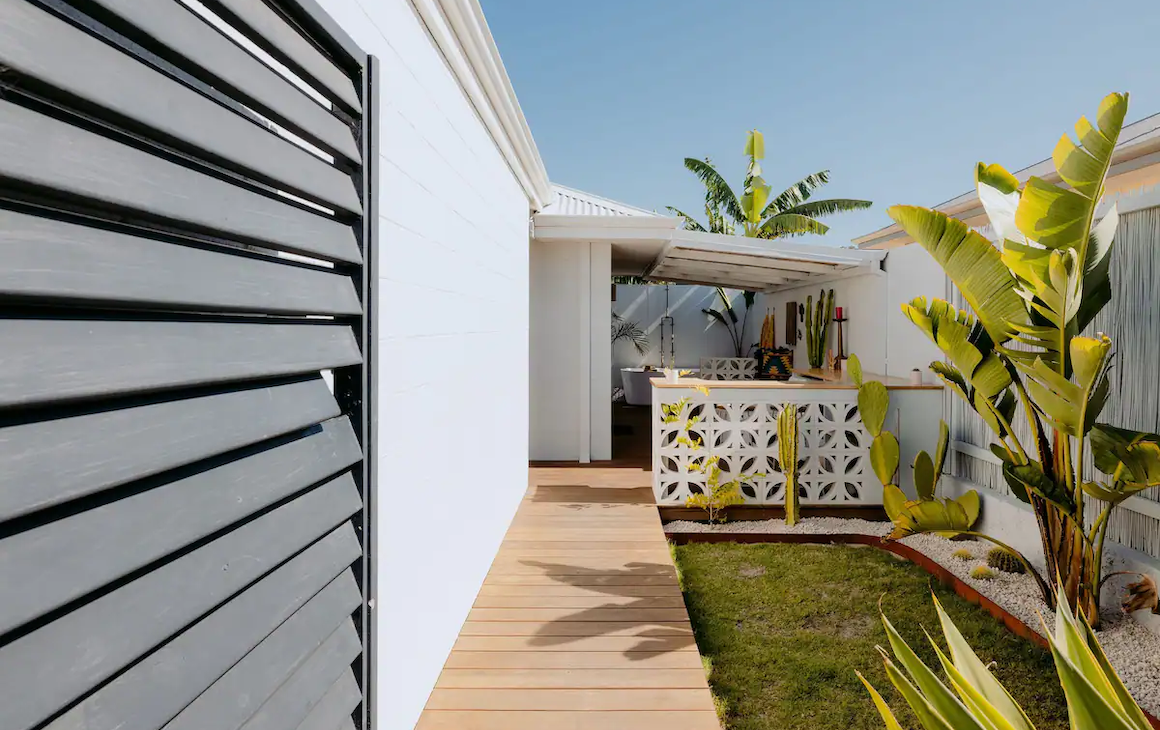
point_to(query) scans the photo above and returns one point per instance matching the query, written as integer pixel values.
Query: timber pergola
(656, 248)
(753, 264)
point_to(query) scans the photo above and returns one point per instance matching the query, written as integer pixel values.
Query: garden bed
(1012, 598)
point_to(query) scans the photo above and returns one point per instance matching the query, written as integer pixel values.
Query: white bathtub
(636, 387)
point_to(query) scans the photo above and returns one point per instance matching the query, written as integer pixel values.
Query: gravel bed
(1133, 650)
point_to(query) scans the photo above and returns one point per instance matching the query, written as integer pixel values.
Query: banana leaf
(972, 263)
(1072, 407)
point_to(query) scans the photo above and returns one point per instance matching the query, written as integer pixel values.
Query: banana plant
(787, 450)
(727, 317)
(790, 213)
(971, 698)
(1020, 343)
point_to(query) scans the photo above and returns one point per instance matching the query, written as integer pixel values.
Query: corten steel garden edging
(944, 576)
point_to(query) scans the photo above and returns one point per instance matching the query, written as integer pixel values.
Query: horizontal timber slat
(103, 170)
(569, 699)
(564, 629)
(52, 461)
(602, 614)
(298, 695)
(276, 34)
(172, 24)
(64, 359)
(553, 589)
(570, 659)
(333, 711)
(97, 72)
(627, 643)
(66, 262)
(574, 678)
(48, 566)
(568, 720)
(598, 600)
(240, 692)
(47, 669)
(153, 691)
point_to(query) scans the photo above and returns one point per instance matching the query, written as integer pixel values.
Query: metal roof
(568, 201)
(1134, 166)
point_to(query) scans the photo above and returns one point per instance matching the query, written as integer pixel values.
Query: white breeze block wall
(453, 352)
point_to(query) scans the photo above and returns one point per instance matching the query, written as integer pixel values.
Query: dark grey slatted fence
(186, 255)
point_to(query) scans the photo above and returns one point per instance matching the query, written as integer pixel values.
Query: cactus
(818, 327)
(787, 449)
(963, 554)
(1005, 560)
(982, 572)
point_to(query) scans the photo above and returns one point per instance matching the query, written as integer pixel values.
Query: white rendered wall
(697, 335)
(570, 383)
(453, 340)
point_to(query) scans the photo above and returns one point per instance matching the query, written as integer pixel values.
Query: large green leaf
(999, 193)
(884, 456)
(873, 402)
(854, 367)
(1097, 285)
(940, 452)
(1131, 458)
(893, 500)
(978, 676)
(1059, 217)
(717, 191)
(924, 475)
(784, 225)
(1072, 407)
(966, 344)
(972, 263)
(797, 193)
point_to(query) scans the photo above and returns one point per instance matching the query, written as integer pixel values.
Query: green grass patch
(784, 627)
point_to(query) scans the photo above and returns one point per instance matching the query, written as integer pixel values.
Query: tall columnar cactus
(818, 327)
(787, 451)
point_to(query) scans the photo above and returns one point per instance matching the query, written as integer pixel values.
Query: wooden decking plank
(618, 678)
(557, 720)
(570, 699)
(601, 614)
(554, 589)
(580, 623)
(591, 600)
(578, 645)
(570, 659)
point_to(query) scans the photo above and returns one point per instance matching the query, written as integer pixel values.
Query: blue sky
(897, 99)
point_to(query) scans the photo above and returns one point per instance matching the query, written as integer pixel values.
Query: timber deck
(580, 624)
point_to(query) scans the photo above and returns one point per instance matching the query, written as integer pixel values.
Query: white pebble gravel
(1133, 650)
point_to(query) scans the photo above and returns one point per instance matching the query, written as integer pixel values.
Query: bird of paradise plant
(791, 213)
(1020, 342)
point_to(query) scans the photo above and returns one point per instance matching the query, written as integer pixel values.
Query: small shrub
(1004, 560)
(982, 572)
(963, 554)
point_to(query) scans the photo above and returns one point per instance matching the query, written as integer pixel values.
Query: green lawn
(783, 627)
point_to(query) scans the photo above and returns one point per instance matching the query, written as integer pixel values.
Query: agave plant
(1020, 342)
(791, 213)
(975, 700)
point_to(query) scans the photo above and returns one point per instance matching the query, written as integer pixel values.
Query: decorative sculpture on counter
(787, 450)
(773, 363)
(818, 327)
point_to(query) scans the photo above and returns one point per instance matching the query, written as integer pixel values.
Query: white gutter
(461, 34)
